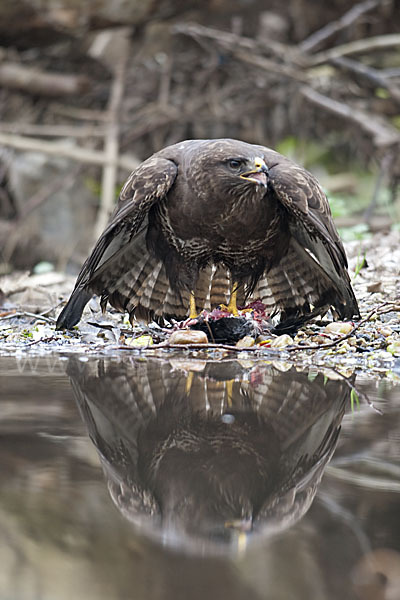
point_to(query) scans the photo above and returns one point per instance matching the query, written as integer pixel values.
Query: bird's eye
(234, 164)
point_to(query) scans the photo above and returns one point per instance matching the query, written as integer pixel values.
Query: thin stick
(77, 153)
(111, 146)
(52, 130)
(234, 41)
(379, 42)
(373, 76)
(35, 81)
(383, 134)
(351, 385)
(344, 22)
(37, 317)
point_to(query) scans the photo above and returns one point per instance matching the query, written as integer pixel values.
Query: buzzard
(209, 222)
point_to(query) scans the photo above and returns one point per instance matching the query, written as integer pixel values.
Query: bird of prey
(208, 222)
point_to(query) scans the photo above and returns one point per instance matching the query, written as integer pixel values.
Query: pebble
(282, 341)
(246, 342)
(394, 348)
(386, 331)
(187, 336)
(339, 327)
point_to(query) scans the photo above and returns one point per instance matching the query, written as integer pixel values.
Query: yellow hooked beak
(259, 174)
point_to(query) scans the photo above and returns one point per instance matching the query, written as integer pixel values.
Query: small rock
(374, 286)
(338, 327)
(386, 331)
(43, 267)
(282, 341)
(246, 342)
(394, 348)
(187, 336)
(318, 339)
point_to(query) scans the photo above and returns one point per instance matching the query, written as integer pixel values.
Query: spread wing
(314, 270)
(149, 183)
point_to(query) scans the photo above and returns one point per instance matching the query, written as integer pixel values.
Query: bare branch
(111, 146)
(379, 42)
(80, 154)
(233, 42)
(373, 76)
(382, 133)
(345, 21)
(34, 81)
(44, 130)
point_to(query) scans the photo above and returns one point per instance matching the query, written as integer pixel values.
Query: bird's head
(252, 170)
(228, 168)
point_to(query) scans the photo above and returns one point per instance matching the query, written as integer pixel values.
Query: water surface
(167, 479)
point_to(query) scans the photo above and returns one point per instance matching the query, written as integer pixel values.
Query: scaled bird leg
(232, 306)
(192, 307)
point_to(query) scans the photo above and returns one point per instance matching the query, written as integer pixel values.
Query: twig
(78, 153)
(37, 317)
(35, 81)
(165, 83)
(81, 114)
(52, 130)
(382, 133)
(271, 66)
(376, 310)
(345, 21)
(351, 385)
(379, 42)
(111, 146)
(367, 73)
(49, 310)
(248, 50)
(45, 340)
(232, 41)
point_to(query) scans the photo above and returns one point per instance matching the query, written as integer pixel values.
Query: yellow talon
(232, 306)
(192, 307)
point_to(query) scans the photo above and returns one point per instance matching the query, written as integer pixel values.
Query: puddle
(163, 479)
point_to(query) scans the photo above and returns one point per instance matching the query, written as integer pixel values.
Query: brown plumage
(202, 214)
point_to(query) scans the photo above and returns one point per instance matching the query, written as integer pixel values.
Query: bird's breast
(211, 230)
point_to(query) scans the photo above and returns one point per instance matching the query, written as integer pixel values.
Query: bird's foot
(232, 306)
(192, 307)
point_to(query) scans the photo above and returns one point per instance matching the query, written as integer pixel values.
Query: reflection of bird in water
(203, 456)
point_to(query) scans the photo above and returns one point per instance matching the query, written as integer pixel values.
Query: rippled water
(185, 479)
